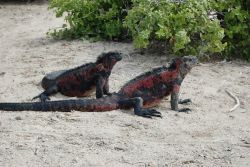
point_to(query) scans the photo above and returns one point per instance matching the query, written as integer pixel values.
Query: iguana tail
(87, 105)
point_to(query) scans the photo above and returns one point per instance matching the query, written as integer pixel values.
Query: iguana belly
(76, 91)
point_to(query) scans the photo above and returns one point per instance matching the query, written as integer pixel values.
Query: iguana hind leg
(137, 103)
(45, 95)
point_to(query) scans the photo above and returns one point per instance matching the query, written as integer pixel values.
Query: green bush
(91, 18)
(184, 26)
(236, 22)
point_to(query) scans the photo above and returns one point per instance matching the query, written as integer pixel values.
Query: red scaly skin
(70, 85)
(149, 82)
(81, 81)
(144, 91)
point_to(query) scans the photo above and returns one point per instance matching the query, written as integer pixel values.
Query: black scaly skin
(81, 81)
(141, 93)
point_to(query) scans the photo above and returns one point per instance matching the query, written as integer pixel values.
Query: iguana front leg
(175, 100)
(137, 103)
(99, 86)
(102, 86)
(106, 88)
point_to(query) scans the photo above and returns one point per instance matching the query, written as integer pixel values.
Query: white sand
(208, 136)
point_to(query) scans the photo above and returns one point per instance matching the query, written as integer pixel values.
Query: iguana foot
(109, 94)
(148, 113)
(184, 101)
(186, 110)
(42, 97)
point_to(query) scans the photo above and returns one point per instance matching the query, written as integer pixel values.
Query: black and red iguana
(83, 80)
(140, 93)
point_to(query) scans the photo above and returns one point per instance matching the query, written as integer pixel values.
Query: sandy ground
(208, 136)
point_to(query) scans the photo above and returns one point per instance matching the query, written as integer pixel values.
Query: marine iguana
(140, 93)
(81, 81)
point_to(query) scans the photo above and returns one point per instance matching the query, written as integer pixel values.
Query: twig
(236, 100)
(244, 145)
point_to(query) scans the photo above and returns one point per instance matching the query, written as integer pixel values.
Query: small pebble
(18, 118)
(2, 73)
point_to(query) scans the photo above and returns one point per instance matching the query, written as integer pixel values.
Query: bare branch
(236, 100)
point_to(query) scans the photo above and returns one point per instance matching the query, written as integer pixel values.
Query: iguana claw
(149, 113)
(186, 110)
(184, 101)
(42, 97)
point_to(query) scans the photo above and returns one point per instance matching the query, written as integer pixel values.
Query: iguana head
(184, 64)
(109, 59)
(189, 61)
